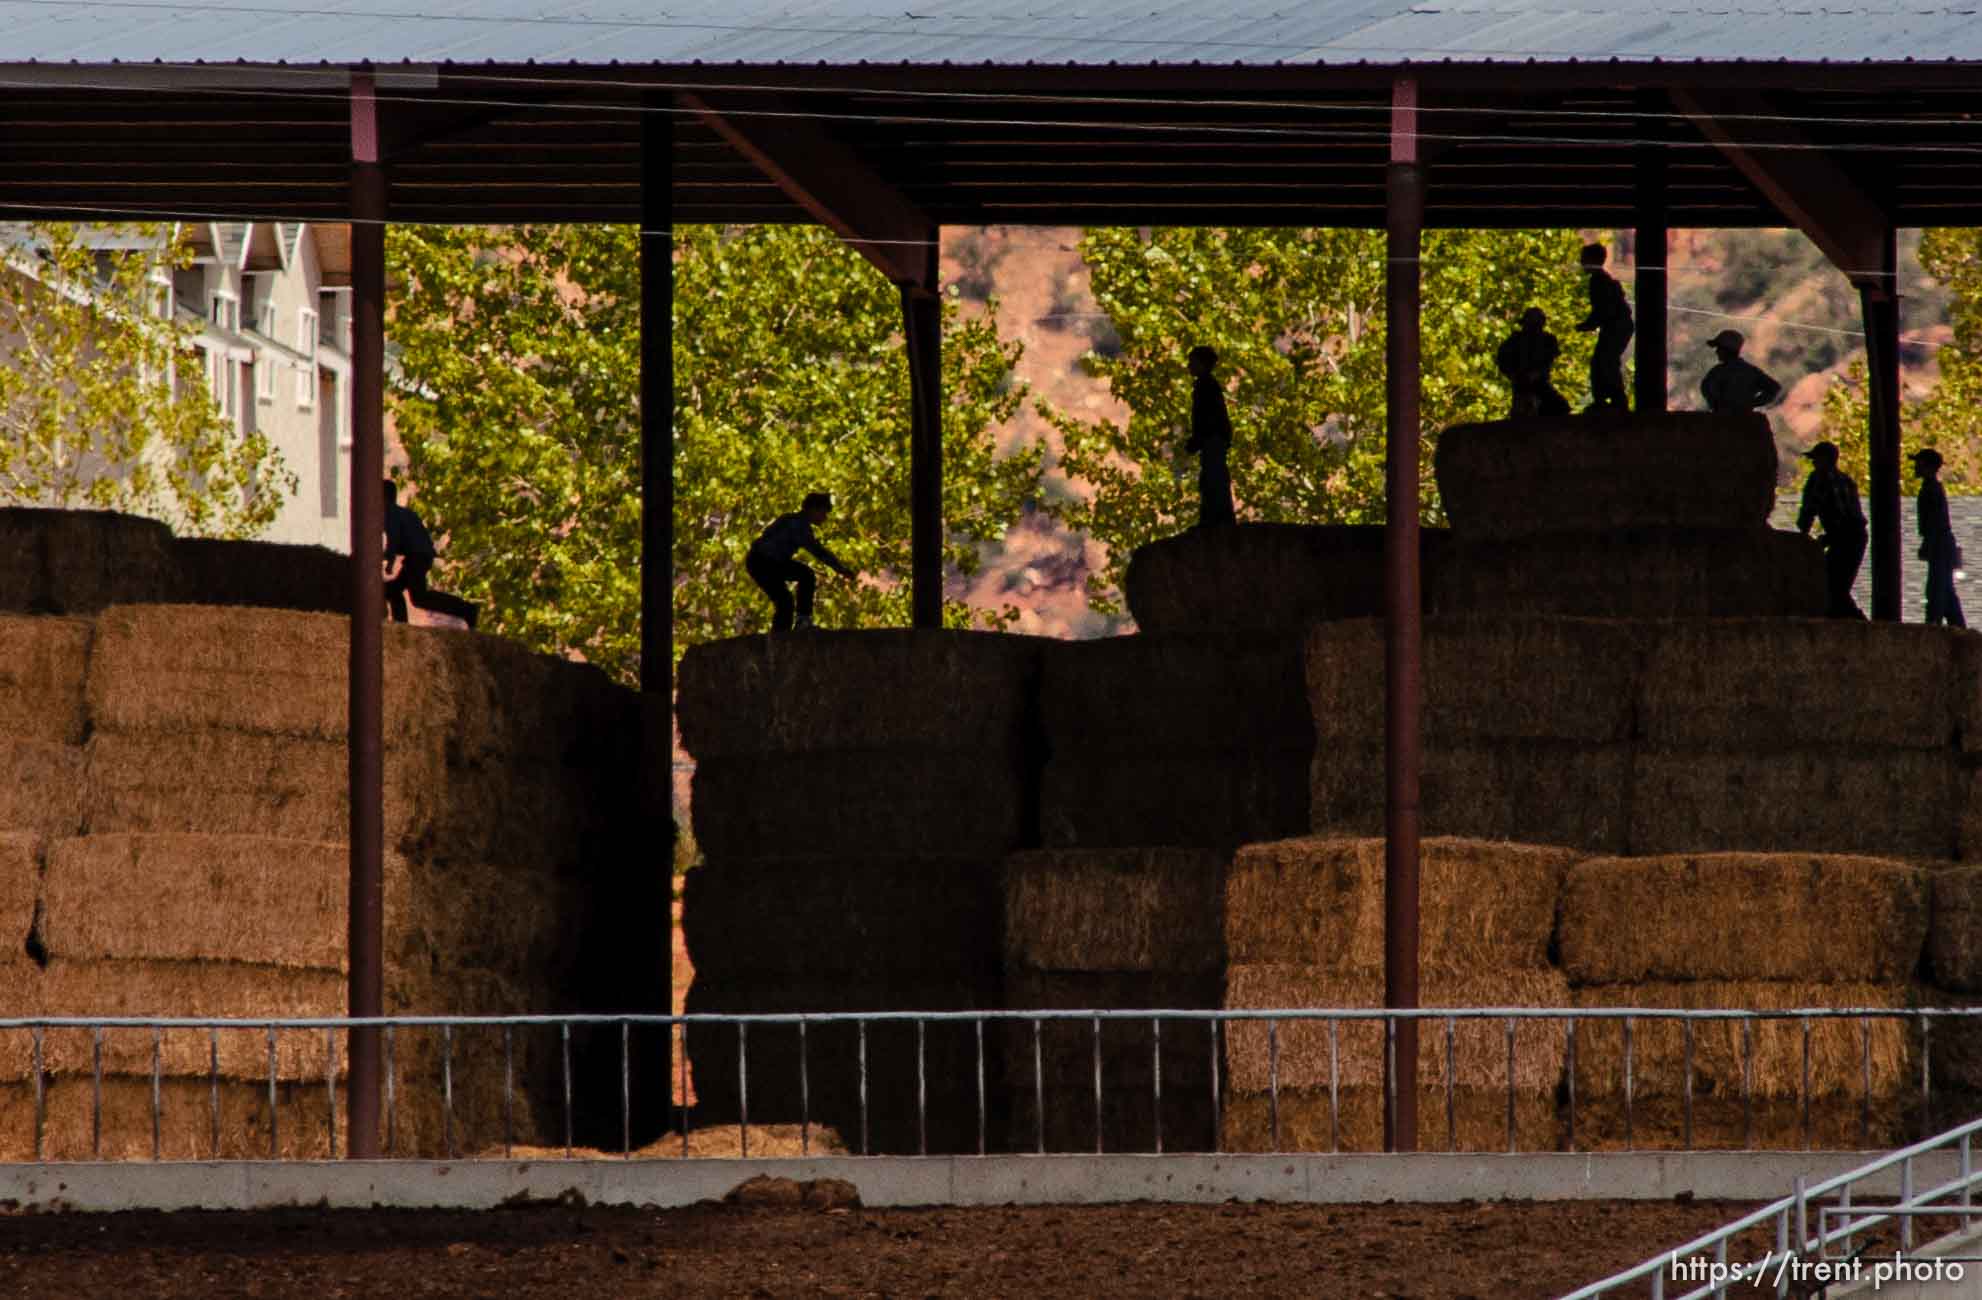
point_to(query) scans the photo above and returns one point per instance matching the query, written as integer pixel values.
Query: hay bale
(858, 917)
(1722, 1123)
(529, 815)
(1319, 902)
(241, 783)
(1128, 1119)
(1201, 798)
(194, 668)
(1658, 1046)
(1479, 1046)
(528, 927)
(894, 690)
(80, 561)
(1153, 693)
(220, 990)
(1883, 803)
(1478, 1120)
(1534, 792)
(1506, 678)
(1264, 578)
(1129, 1048)
(514, 706)
(904, 803)
(196, 897)
(1743, 916)
(1637, 573)
(1115, 910)
(268, 575)
(20, 889)
(949, 1051)
(1954, 932)
(1761, 684)
(1683, 469)
(186, 1121)
(41, 678)
(43, 789)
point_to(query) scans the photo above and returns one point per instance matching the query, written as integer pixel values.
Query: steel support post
(1879, 301)
(1649, 378)
(922, 331)
(657, 399)
(366, 948)
(1403, 612)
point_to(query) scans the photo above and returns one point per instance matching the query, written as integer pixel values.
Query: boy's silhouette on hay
(1734, 386)
(1937, 542)
(1211, 439)
(1527, 359)
(409, 555)
(1610, 317)
(772, 561)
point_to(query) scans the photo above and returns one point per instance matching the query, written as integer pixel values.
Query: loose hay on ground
(1893, 802)
(893, 690)
(1115, 910)
(1815, 918)
(1319, 902)
(43, 788)
(1829, 682)
(42, 661)
(863, 917)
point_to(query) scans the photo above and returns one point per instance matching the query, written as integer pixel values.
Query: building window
(224, 310)
(306, 374)
(265, 378)
(265, 318)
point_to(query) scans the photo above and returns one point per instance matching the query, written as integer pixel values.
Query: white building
(274, 304)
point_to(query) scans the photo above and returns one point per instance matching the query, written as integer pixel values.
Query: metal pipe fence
(963, 1090)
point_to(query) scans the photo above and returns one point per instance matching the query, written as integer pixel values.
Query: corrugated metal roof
(1016, 32)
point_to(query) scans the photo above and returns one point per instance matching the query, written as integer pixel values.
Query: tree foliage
(517, 403)
(1297, 318)
(103, 402)
(1949, 416)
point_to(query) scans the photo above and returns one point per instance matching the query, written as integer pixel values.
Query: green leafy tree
(1297, 318)
(1949, 416)
(517, 403)
(103, 402)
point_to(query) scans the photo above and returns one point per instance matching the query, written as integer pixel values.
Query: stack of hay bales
(1304, 928)
(267, 575)
(1759, 931)
(1263, 579)
(194, 867)
(1776, 734)
(854, 794)
(1095, 929)
(1663, 517)
(1159, 739)
(1527, 728)
(79, 561)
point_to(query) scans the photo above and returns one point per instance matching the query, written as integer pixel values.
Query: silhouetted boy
(1527, 359)
(409, 556)
(1734, 386)
(1610, 317)
(1831, 498)
(772, 561)
(1937, 542)
(1211, 439)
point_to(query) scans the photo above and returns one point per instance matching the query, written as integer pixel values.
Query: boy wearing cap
(1736, 387)
(1527, 360)
(1610, 317)
(1937, 543)
(772, 561)
(1211, 439)
(1831, 498)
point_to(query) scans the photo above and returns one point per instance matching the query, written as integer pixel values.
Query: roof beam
(826, 178)
(1806, 185)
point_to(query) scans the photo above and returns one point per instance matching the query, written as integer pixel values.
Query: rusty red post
(657, 398)
(1879, 301)
(1402, 613)
(922, 330)
(366, 947)
(1649, 377)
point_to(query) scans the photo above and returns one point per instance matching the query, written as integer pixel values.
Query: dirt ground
(1484, 1250)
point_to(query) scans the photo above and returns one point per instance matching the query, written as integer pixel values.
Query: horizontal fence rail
(1187, 1032)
